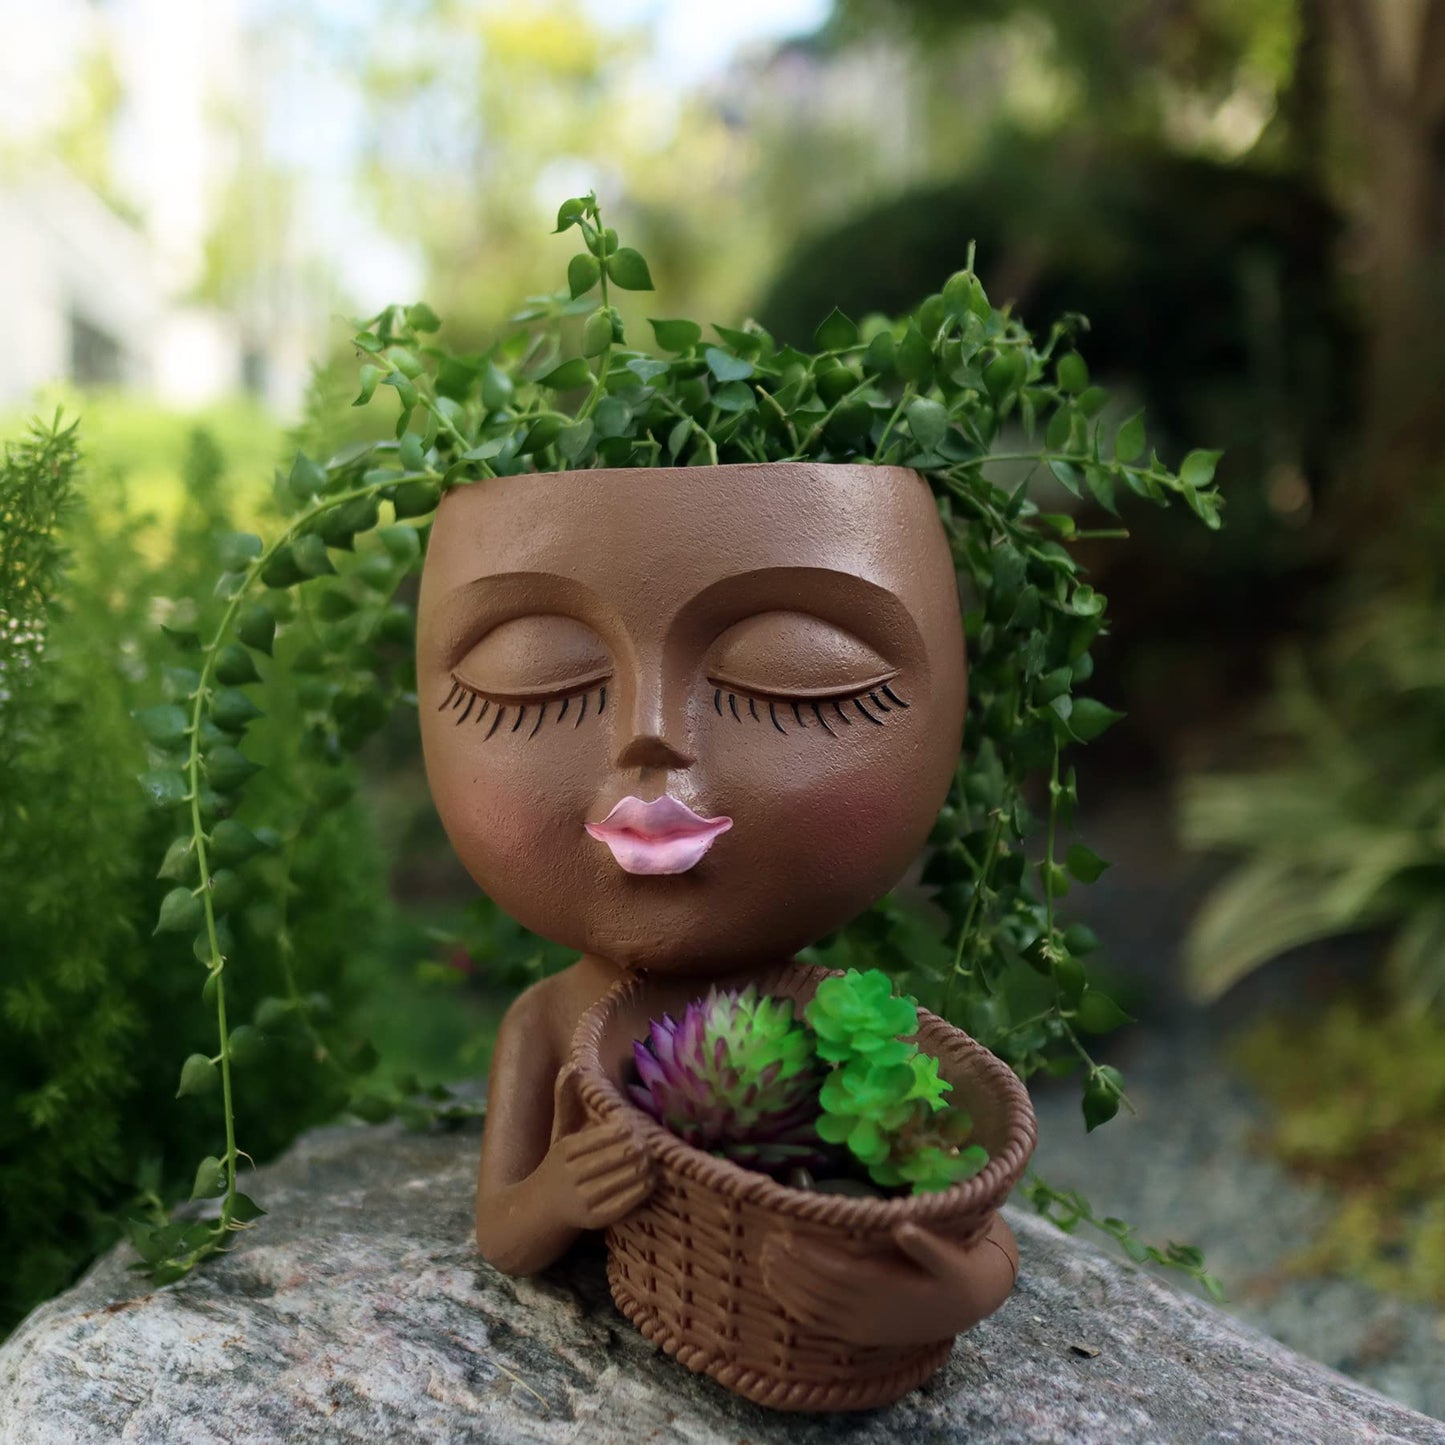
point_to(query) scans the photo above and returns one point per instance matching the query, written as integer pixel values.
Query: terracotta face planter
(686, 721)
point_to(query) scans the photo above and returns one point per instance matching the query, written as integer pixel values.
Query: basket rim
(981, 1194)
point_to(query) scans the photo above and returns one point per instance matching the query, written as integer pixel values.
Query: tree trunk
(1392, 55)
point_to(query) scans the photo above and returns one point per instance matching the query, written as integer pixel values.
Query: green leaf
(163, 788)
(281, 569)
(256, 627)
(402, 543)
(228, 768)
(237, 550)
(415, 499)
(568, 376)
(613, 416)
(627, 269)
(835, 333)
(570, 212)
(597, 332)
(180, 862)
(235, 666)
(1067, 474)
(1097, 1013)
(233, 842)
(306, 478)
(1129, 439)
(573, 440)
(164, 725)
(1197, 469)
(244, 1209)
(1091, 718)
(1101, 1096)
(725, 366)
(1101, 487)
(882, 353)
(406, 362)
(180, 912)
(1085, 864)
(928, 421)
(1205, 506)
(227, 890)
(676, 336)
(368, 376)
(963, 294)
(583, 273)
(421, 317)
(311, 557)
(412, 453)
(245, 1043)
(734, 396)
(915, 357)
(186, 639)
(1003, 374)
(198, 1076)
(210, 1173)
(233, 711)
(1072, 373)
(496, 387)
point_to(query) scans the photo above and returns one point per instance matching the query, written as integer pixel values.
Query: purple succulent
(738, 1076)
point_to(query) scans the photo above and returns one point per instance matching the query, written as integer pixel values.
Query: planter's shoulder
(358, 1310)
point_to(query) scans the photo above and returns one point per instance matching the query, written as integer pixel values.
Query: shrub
(92, 1002)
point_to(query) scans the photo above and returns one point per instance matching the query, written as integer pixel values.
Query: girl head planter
(686, 721)
(689, 720)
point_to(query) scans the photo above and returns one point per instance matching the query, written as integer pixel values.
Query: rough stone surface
(359, 1311)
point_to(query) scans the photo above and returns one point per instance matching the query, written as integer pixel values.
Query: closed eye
(523, 714)
(872, 704)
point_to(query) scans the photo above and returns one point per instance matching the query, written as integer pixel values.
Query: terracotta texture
(774, 647)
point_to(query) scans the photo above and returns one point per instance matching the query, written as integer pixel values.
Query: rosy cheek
(508, 812)
(863, 806)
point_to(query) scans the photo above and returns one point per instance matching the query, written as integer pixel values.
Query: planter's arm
(546, 1175)
(931, 1290)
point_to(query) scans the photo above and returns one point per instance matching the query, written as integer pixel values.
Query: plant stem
(217, 965)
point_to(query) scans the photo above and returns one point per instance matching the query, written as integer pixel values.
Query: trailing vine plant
(956, 390)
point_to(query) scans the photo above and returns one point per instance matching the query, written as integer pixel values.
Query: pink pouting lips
(663, 836)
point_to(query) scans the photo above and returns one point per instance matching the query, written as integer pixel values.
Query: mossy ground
(1358, 1093)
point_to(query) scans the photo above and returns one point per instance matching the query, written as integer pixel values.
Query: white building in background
(98, 298)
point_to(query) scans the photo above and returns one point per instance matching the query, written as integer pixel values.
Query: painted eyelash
(462, 692)
(827, 712)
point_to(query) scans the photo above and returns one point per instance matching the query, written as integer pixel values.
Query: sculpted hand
(931, 1290)
(603, 1169)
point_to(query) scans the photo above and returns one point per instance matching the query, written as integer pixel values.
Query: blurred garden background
(1247, 200)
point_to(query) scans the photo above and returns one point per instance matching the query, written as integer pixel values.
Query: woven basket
(684, 1266)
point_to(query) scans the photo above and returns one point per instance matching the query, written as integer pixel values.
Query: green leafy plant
(91, 1000)
(952, 390)
(737, 1076)
(1347, 833)
(884, 1099)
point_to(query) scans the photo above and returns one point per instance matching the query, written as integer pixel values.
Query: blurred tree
(1392, 56)
(1194, 72)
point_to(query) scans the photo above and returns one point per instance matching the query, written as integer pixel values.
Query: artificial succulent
(737, 1076)
(884, 1100)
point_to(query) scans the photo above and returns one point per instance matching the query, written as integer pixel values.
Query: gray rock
(359, 1311)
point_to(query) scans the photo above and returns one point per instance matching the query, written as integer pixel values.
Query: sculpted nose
(658, 725)
(651, 750)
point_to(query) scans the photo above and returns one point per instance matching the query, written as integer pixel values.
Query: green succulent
(884, 1100)
(858, 1014)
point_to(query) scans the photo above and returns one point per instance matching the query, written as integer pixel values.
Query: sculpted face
(690, 719)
